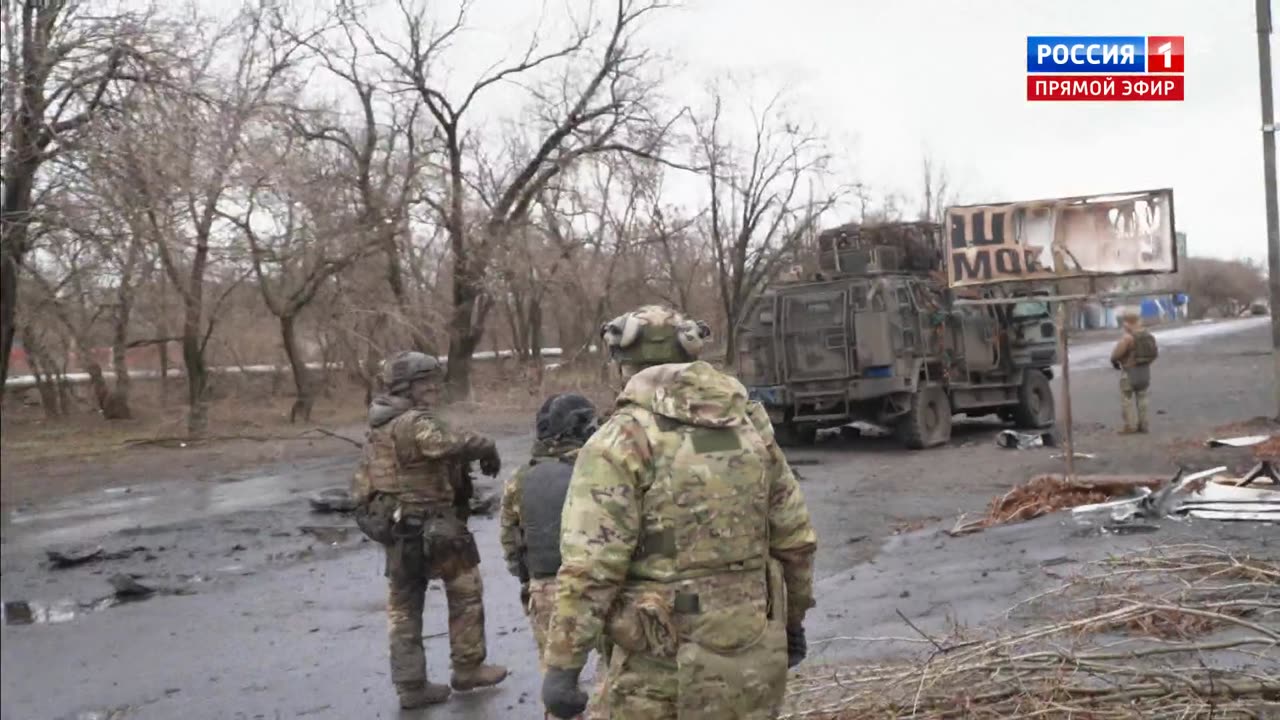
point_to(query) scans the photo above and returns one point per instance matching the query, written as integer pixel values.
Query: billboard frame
(1057, 275)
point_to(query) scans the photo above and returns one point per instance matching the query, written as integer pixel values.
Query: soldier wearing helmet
(413, 489)
(1132, 356)
(685, 542)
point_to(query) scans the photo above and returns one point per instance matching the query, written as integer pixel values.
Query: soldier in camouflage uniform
(413, 489)
(1132, 356)
(533, 499)
(685, 541)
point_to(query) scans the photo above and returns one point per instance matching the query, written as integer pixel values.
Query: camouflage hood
(692, 393)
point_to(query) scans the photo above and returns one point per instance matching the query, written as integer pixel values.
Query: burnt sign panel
(1058, 238)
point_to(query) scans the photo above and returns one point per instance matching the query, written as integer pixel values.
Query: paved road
(281, 624)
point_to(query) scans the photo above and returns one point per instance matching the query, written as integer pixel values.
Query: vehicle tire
(928, 422)
(790, 435)
(1035, 407)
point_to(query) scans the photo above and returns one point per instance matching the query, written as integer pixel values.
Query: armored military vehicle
(875, 335)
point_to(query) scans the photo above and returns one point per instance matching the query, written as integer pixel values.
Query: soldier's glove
(524, 595)
(491, 464)
(561, 694)
(797, 646)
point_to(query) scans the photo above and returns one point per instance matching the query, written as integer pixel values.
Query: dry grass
(1098, 661)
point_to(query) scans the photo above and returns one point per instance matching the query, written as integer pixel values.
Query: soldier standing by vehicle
(413, 490)
(685, 541)
(1133, 355)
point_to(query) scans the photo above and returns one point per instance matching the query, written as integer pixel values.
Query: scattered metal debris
(128, 588)
(1013, 440)
(330, 535)
(1079, 455)
(1239, 442)
(1049, 493)
(69, 557)
(1197, 496)
(333, 500)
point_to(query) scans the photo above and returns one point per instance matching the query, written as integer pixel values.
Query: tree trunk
(465, 329)
(119, 400)
(197, 383)
(301, 376)
(43, 372)
(8, 302)
(163, 349)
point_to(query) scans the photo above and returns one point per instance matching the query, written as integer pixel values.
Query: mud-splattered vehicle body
(876, 336)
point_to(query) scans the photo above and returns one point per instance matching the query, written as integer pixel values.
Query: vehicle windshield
(1030, 309)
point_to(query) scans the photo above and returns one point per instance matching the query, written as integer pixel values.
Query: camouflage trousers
(408, 574)
(542, 605)
(1134, 384)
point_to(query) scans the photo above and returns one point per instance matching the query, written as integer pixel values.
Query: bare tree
(938, 193)
(304, 245)
(763, 200)
(183, 175)
(62, 69)
(578, 114)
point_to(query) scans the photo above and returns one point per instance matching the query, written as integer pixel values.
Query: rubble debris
(1197, 496)
(1238, 442)
(127, 588)
(1013, 440)
(71, 557)
(1049, 493)
(330, 535)
(332, 500)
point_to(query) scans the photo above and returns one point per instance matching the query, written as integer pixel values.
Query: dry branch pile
(1147, 635)
(1051, 493)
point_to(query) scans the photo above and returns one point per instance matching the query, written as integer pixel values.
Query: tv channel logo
(1105, 67)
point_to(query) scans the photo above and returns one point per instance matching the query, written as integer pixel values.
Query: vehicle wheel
(928, 423)
(790, 435)
(1035, 402)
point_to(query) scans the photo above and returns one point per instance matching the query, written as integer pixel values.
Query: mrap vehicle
(876, 336)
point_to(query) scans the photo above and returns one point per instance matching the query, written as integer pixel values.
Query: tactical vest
(700, 575)
(391, 463)
(706, 509)
(1145, 349)
(541, 503)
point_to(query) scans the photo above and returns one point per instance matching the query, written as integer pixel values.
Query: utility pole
(1263, 12)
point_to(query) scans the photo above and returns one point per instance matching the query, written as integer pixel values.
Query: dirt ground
(266, 609)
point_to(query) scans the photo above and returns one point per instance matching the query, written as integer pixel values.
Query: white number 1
(1167, 51)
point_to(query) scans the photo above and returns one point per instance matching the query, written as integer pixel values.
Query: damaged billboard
(1058, 238)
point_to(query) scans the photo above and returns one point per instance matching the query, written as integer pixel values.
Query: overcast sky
(889, 80)
(892, 78)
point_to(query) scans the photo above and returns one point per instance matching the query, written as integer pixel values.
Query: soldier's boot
(419, 695)
(478, 677)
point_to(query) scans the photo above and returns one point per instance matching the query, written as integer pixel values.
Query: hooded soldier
(412, 489)
(685, 541)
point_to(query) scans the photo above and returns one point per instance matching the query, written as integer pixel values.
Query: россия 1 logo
(1104, 67)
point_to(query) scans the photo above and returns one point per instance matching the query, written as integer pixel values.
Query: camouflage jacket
(606, 513)
(411, 453)
(509, 533)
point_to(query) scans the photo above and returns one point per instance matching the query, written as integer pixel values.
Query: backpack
(1145, 349)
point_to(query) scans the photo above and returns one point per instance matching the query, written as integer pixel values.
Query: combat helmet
(654, 335)
(567, 417)
(403, 369)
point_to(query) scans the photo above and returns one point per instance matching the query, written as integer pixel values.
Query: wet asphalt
(265, 609)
